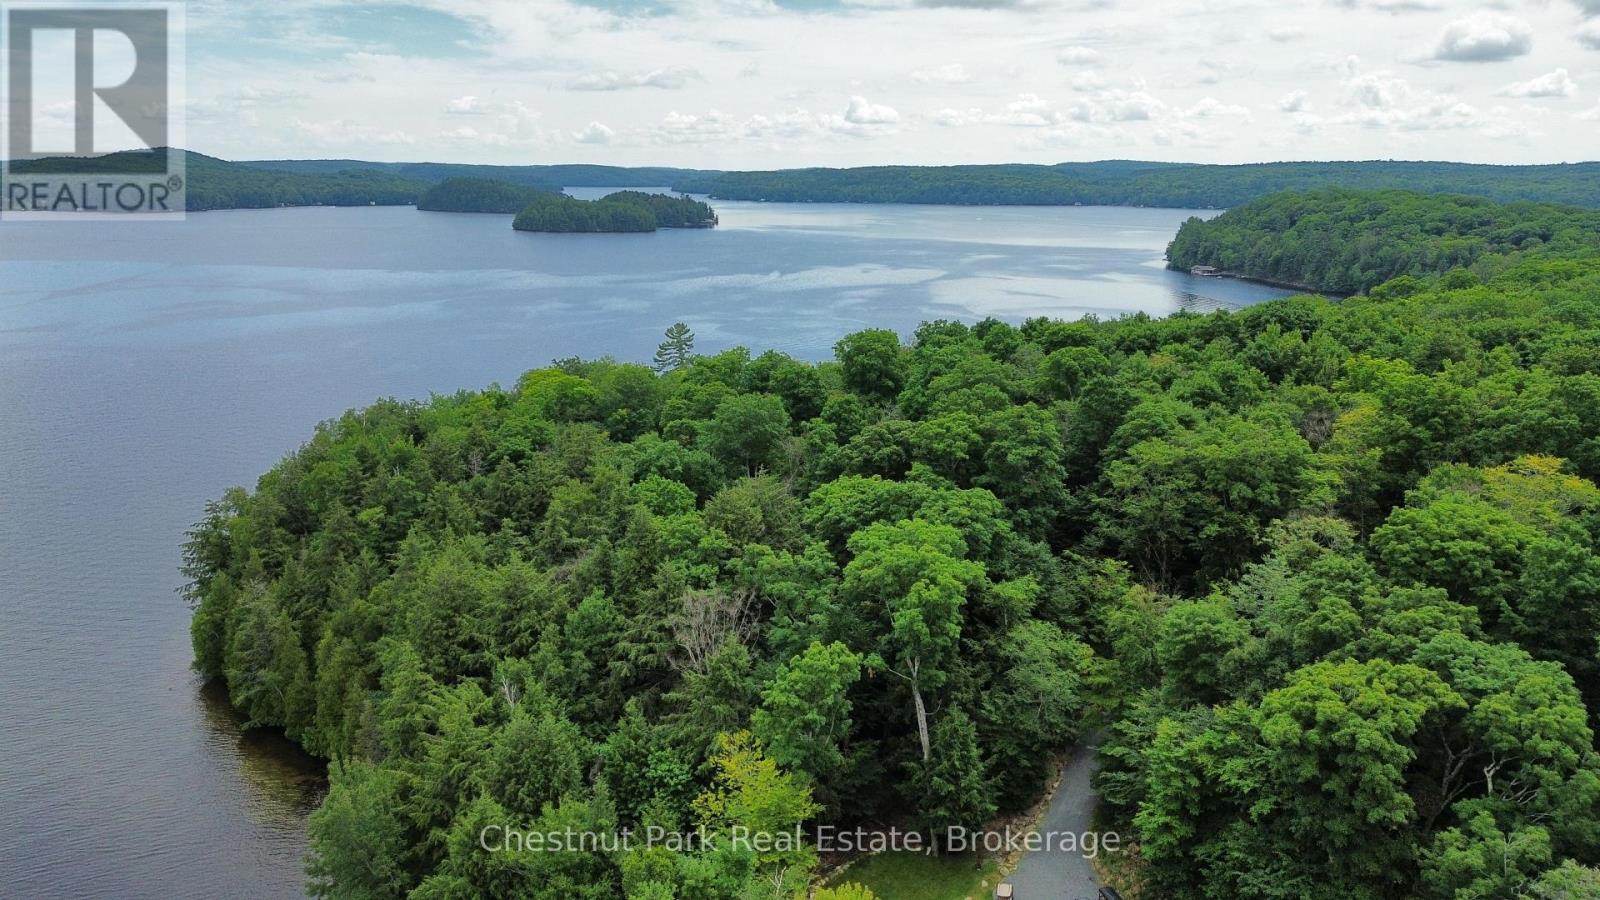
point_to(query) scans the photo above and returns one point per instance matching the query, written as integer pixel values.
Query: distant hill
(218, 184)
(552, 177)
(1129, 183)
(1116, 182)
(479, 195)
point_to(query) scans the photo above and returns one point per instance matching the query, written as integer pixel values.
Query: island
(620, 212)
(480, 195)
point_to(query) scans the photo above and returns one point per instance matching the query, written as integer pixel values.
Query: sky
(784, 83)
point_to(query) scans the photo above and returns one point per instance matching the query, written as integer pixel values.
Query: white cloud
(670, 78)
(1381, 100)
(770, 83)
(1212, 108)
(683, 128)
(1078, 56)
(1028, 111)
(341, 132)
(862, 112)
(1117, 106)
(950, 73)
(466, 106)
(595, 133)
(1484, 37)
(1589, 34)
(955, 118)
(1552, 84)
(1392, 6)
(1088, 81)
(860, 120)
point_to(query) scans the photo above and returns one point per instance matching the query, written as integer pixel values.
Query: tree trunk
(922, 717)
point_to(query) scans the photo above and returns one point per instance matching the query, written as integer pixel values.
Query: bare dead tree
(708, 619)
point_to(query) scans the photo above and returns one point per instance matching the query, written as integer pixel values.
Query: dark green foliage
(479, 195)
(1330, 571)
(1345, 241)
(669, 212)
(623, 211)
(676, 351)
(218, 184)
(1130, 183)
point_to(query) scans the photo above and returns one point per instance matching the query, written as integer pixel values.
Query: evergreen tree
(676, 351)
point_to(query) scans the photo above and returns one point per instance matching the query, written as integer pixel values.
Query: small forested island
(1343, 241)
(1326, 574)
(619, 212)
(479, 195)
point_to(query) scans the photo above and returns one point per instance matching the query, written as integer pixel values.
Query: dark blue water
(146, 367)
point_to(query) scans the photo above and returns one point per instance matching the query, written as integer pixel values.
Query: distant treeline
(552, 177)
(623, 211)
(1124, 183)
(1345, 241)
(479, 195)
(218, 184)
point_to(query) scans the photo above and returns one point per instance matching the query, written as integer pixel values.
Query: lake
(145, 367)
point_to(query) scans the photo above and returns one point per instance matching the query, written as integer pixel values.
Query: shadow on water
(285, 783)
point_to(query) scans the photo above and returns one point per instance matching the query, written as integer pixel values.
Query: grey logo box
(91, 179)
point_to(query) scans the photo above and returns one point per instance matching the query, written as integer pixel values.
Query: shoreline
(1269, 282)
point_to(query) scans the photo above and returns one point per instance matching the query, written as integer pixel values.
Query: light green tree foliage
(1568, 881)
(751, 792)
(805, 713)
(871, 363)
(850, 891)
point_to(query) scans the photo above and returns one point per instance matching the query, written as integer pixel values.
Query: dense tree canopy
(479, 195)
(1130, 183)
(623, 211)
(218, 184)
(1330, 571)
(1345, 241)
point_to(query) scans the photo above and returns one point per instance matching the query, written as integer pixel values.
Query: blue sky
(758, 83)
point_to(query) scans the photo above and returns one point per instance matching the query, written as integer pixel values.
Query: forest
(218, 184)
(1129, 183)
(1343, 241)
(1107, 182)
(1325, 573)
(479, 195)
(622, 211)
